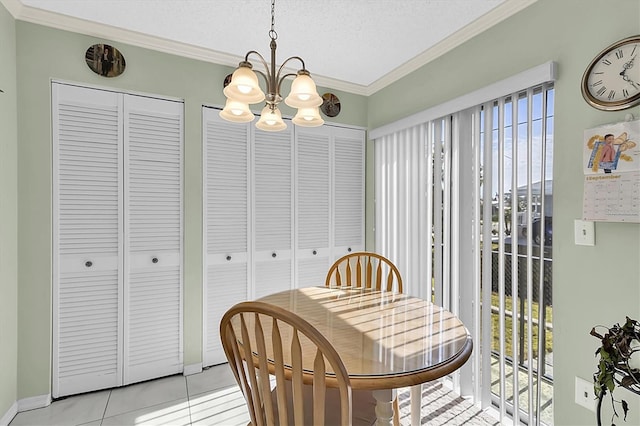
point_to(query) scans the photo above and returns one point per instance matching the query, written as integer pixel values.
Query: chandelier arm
(264, 62)
(281, 79)
(266, 74)
(290, 59)
(263, 75)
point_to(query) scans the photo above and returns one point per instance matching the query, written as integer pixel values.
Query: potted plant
(619, 364)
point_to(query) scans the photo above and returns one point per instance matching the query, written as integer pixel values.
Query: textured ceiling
(362, 43)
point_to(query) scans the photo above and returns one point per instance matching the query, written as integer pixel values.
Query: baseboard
(9, 415)
(34, 402)
(192, 369)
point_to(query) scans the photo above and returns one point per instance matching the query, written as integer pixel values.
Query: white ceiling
(354, 45)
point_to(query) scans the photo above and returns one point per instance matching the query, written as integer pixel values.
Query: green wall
(592, 285)
(44, 54)
(8, 214)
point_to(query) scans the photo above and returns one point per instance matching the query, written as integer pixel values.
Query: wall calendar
(611, 158)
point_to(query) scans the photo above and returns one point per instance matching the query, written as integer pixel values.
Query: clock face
(612, 80)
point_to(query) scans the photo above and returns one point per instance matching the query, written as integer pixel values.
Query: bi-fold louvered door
(329, 194)
(117, 238)
(272, 211)
(348, 191)
(153, 238)
(313, 205)
(226, 224)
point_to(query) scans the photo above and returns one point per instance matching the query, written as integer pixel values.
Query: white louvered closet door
(153, 238)
(313, 205)
(272, 211)
(226, 224)
(87, 247)
(348, 191)
(117, 238)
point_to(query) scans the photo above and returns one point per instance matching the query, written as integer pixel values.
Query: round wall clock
(105, 60)
(330, 105)
(611, 82)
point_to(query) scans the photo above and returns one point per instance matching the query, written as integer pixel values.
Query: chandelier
(244, 90)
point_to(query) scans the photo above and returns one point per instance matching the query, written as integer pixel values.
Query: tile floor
(213, 398)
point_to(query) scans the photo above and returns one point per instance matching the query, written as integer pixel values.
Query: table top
(385, 339)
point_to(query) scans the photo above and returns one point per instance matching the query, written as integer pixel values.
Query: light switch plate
(584, 233)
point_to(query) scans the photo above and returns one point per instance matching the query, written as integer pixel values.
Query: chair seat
(363, 406)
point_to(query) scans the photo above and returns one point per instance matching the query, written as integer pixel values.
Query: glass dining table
(386, 340)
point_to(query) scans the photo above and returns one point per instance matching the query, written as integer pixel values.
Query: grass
(495, 323)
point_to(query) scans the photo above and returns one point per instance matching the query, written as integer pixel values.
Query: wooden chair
(369, 270)
(311, 383)
(364, 270)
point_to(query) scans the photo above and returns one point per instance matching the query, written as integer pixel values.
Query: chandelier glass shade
(308, 117)
(236, 111)
(271, 120)
(244, 89)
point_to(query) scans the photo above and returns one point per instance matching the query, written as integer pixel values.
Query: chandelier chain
(273, 34)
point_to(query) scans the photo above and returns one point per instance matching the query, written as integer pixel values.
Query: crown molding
(495, 16)
(98, 30)
(67, 23)
(13, 6)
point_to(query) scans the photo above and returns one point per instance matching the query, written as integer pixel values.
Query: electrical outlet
(585, 395)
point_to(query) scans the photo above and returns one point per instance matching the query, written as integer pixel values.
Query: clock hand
(626, 66)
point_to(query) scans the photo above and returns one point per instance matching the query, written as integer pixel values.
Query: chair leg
(396, 412)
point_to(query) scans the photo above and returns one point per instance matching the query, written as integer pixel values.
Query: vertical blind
(435, 204)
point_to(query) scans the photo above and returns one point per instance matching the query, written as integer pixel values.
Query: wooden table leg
(384, 406)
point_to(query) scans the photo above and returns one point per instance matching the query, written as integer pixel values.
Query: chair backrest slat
(364, 270)
(296, 352)
(263, 371)
(253, 380)
(281, 395)
(368, 269)
(296, 379)
(319, 389)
